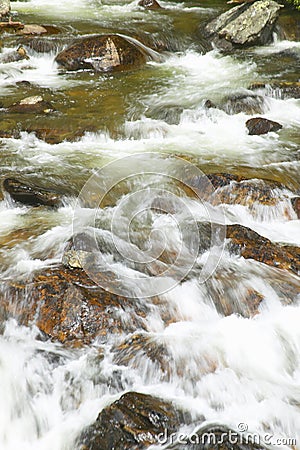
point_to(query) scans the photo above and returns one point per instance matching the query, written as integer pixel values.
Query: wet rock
(260, 125)
(56, 136)
(170, 114)
(102, 54)
(31, 195)
(23, 83)
(244, 25)
(69, 307)
(244, 103)
(250, 244)
(16, 55)
(35, 105)
(296, 206)
(44, 44)
(230, 293)
(247, 193)
(233, 189)
(90, 256)
(133, 422)
(279, 89)
(216, 437)
(9, 129)
(149, 4)
(144, 349)
(32, 29)
(78, 250)
(209, 104)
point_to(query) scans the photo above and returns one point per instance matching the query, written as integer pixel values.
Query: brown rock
(131, 423)
(250, 244)
(281, 89)
(233, 189)
(230, 294)
(29, 194)
(102, 54)
(68, 306)
(35, 104)
(260, 125)
(296, 206)
(32, 29)
(55, 135)
(150, 4)
(142, 347)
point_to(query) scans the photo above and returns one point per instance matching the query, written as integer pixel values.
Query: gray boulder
(244, 25)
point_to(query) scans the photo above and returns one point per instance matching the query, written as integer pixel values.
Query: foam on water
(40, 70)
(230, 369)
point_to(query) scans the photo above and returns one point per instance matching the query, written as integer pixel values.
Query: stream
(139, 131)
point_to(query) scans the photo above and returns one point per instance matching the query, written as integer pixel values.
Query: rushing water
(230, 369)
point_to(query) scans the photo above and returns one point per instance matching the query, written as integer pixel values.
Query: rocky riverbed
(149, 232)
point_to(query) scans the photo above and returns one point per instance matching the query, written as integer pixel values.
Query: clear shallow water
(236, 370)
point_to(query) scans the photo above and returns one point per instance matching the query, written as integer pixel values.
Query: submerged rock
(9, 129)
(244, 103)
(56, 136)
(227, 188)
(133, 422)
(260, 125)
(244, 25)
(279, 89)
(35, 104)
(102, 54)
(15, 55)
(141, 347)
(29, 194)
(45, 44)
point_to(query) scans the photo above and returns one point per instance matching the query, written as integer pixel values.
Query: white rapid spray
(233, 369)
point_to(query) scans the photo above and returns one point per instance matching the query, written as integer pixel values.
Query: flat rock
(245, 25)
(260, 125)
(32, 30)
(29, 194)
(102, 54)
